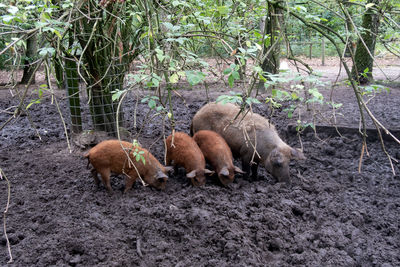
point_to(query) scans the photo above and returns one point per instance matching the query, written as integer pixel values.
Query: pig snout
(160, 184)
(277, 165)
(198, 177)
(198, 180)
(225, 180)
(159, 181)
(225, 177)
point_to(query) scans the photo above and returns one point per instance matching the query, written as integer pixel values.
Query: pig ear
(224, 171)
(168, 168)
(207, 171)
(297, 154)
(161, 175)
(237, 169)
(191, 174)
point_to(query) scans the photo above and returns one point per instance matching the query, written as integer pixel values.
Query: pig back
(185, 151)
(218, 118)
(113, 154)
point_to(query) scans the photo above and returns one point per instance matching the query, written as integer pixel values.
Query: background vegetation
(99, 42)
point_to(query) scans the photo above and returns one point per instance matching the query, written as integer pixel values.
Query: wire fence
(91, 105)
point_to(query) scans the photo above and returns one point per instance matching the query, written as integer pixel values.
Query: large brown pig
(183, 151)
(243, 134)
(218, 154)
(112, 156)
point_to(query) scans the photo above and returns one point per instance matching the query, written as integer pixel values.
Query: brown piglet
(183, 151)
(217, 152)
(112, 156)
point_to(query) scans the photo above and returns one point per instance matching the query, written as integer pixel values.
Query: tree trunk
(273, 28)
(351, 44)
(29, 68)
(362, 68)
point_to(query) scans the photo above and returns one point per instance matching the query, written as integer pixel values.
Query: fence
(91, 106)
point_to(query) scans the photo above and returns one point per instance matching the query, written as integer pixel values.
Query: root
(139, 251)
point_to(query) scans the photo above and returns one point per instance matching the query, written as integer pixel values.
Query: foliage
(303, 93)
(138, 155)
(169, 40)
(237, 98)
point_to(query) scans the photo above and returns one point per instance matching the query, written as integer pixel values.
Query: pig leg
(246, 168)
(105, 176)
(95, 177)
(130, 180)
(247, 165)
(254, 170)
(168, 160)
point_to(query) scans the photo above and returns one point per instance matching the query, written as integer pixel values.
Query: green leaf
(30, 7)
(13, 10)
(258, 46)
(227, 71)
(160, 57)
(223, 10)
(57, 33)
(369, 5)
(117, 94)
(267, 41)
(258, 69)
(174, 78)
(168, 25)
(252, 100)
(235, 75)
(231, 80)
(301, 8)
(37, 101)
(46, 51)
(194, 77)
(7, 18)
(152, 104)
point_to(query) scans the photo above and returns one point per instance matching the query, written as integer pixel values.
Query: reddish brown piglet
(183, 151)
(217, 152)
(112, 156)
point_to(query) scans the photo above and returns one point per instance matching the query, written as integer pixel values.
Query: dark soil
(330, 215)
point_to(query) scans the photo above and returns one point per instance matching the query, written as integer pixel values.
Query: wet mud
(330, 215)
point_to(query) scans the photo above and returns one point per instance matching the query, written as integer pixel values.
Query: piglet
(112, 156)
(217, 152)
(183, 151)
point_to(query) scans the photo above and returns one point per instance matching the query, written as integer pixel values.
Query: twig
(57, 105)
(130, 162)
(3, 175)
(361, 157)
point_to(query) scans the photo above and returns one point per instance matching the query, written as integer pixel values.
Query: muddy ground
(330, 215)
